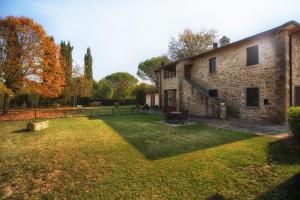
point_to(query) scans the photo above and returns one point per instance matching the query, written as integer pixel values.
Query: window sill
(254, 65)
(252, 107)
(170, 78)
(212, 73)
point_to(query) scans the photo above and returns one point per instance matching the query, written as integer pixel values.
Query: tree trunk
(5, 104)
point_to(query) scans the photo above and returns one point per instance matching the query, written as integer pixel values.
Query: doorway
(188, 71)
(152, 100)
(170, 98)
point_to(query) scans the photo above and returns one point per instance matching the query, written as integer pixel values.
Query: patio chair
(183, 117)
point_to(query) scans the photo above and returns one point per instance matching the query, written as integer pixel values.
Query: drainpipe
(291, 70)
(160, 92)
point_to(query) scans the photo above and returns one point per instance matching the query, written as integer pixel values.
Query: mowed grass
(140, 157)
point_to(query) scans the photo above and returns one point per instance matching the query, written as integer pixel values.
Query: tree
(88, 64)
(88, 72)
(66, 52)
(28, 59)
(123, 84)
(5, 90)
(190, 44)
(80, 86)
(141, 90)
(105, 89)
(140, 97)
(147, 67)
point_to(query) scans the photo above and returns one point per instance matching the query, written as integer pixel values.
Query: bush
(116, 104)
(294, 121)
(122, 102)
(33, 100)
(95, 103)
(55, 105)
(140, 97)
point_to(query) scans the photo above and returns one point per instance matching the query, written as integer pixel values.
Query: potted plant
(37, 124)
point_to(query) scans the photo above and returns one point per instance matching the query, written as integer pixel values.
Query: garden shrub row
(294, 121)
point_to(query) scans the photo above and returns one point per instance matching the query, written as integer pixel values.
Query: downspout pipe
(291, 69)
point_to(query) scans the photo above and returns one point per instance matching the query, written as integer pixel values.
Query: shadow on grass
(156, 140)
(289, 190)
(216, 197)
(24, 130)
(284, 151)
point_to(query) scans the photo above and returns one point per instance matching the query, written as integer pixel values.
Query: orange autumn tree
(29, 59)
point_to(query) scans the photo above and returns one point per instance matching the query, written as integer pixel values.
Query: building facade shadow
(289, 190)
(284, 151)
(155, 139)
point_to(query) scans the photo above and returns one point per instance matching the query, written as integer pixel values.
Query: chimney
(224, 41)
(215, 45)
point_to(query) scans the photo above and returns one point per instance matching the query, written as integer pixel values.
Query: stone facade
(271, 75)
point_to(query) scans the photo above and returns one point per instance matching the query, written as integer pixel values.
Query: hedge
(294, 121)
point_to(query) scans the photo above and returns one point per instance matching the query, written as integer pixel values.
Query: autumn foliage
(191, 43)
(29, 59)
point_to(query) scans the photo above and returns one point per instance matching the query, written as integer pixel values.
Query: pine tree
(88, 65)
(66, 52)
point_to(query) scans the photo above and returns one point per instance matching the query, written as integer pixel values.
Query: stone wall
(169, 84)
(233, 77)
(197, 103)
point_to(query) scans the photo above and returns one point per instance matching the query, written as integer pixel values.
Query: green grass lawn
(140, 157)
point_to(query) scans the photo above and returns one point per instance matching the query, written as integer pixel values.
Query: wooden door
(152, 100)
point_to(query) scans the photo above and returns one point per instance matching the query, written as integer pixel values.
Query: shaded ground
(243, 125)
(159, 140)
(139, 157)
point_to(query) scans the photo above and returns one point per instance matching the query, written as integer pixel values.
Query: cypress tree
(88, 65)
(66, 52)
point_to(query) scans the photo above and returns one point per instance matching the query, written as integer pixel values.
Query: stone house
(257, 78)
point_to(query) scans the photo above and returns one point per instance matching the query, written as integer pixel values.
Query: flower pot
(37, 126)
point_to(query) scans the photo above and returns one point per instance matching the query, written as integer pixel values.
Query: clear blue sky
(121, 33)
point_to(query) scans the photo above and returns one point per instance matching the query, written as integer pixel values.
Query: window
(169, 74)
(213, 93)
(252, 96)
(252, 55)
(213, 65)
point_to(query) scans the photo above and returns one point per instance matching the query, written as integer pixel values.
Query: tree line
(35, 71)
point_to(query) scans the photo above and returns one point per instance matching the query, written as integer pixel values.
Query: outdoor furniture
(176, 117)
(146, 108)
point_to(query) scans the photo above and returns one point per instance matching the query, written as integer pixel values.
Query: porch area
(241, 125)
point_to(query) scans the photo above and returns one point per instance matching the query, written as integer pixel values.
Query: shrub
(294, 121)
(95, 103)
(140, 97)
(116, 104)
(55, 105)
